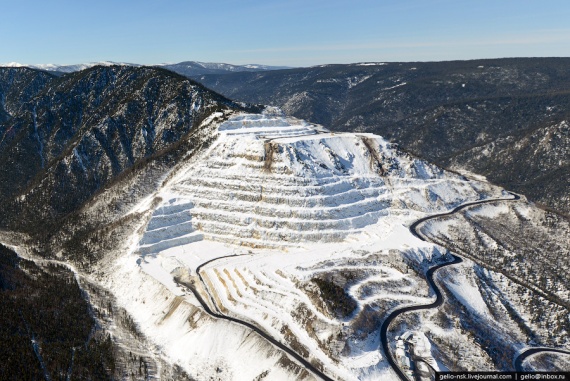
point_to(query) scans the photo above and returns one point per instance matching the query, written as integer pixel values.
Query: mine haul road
(429, 277)
(394, 314)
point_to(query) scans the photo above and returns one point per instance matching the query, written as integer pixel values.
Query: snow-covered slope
(297, 208)
(67, 68)
(270, 181)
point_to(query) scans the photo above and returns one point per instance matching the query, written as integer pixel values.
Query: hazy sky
(292, 32)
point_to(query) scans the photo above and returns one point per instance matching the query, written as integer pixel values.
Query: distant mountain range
(55, 68)
(191, 68)
(506, 119)
(187, 68)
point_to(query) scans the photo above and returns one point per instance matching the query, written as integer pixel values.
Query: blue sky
(292, 32)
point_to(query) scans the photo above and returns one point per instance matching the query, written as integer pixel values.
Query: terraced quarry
(311, 231)
(274, 182)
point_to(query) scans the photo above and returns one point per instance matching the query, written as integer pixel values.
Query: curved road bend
(429, 277)
(310, 367)
(436, 303)
(526, 353)
(413, 227)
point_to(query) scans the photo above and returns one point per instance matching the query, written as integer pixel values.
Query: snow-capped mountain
(187, 68)
(273, 181)
(303, 234)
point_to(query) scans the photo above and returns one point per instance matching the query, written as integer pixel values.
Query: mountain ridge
(153, 189)
(187, 68)
(86, 130)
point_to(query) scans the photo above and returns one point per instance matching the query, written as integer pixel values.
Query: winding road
(429, 277)
(436, 303)
(439, 299)
(393, 315)
(310, 367)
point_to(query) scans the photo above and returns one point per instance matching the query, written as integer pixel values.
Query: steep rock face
(89, 129)
(438, 110)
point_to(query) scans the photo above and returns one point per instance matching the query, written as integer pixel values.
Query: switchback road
(429, 277)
